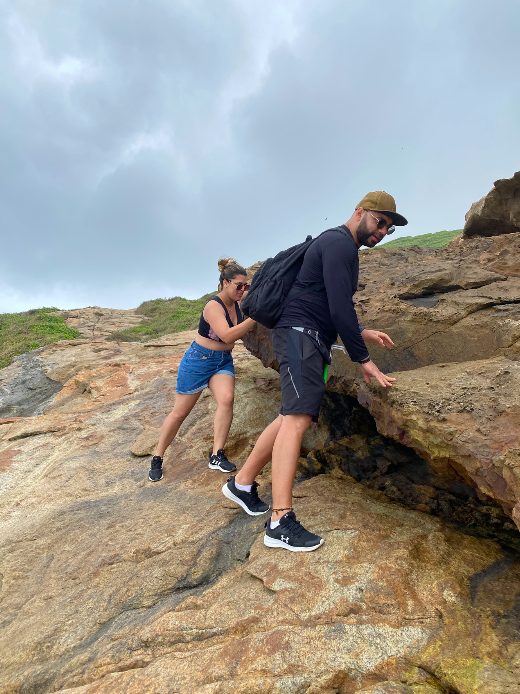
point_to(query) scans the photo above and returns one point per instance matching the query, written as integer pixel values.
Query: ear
(359, 213)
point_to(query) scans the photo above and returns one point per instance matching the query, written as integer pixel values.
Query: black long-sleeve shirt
(333, 260)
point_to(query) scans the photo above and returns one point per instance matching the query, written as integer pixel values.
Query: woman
(208, 364)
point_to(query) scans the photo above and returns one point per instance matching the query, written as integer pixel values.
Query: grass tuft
(166, 316)
(437, 240)
(23, 332)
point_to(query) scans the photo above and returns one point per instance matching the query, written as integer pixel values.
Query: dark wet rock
(25, 390)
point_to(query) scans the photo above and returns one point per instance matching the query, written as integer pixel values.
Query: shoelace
(293, 525)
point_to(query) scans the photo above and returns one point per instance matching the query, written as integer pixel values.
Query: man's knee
(298, 422)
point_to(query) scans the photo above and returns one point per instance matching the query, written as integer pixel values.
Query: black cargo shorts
(301, 372)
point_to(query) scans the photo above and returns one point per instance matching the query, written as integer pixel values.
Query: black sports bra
(205, 329)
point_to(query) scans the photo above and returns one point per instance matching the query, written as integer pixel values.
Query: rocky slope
(113, 584)
(96, 322)
(454, 315)
(109, 583)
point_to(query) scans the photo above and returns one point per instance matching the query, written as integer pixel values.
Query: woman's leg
(223, 388)
(261, 453)
(183, 406)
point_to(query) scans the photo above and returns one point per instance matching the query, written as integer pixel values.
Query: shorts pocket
(194, 353)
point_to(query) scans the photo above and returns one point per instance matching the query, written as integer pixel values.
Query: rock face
(498, 212)
(96, 322)
(459, 303)
(24, 387)
(109, 583)
(454, 315)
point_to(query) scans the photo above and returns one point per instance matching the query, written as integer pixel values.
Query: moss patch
(22, 332)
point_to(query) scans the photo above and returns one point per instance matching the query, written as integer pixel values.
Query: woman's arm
(215, 316)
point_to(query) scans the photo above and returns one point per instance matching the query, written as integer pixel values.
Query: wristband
(365, 360)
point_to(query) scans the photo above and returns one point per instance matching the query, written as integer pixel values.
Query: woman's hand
(377, 337)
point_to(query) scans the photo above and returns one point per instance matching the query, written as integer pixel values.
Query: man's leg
(286, 452)
(242, 488)
(301, 375)
(261, 454)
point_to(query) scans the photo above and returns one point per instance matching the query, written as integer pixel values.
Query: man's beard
(363, 234)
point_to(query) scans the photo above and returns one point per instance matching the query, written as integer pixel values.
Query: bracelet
(365, 360)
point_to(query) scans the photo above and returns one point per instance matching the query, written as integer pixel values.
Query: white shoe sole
(229, 495)
(217, 467)
(272, 542)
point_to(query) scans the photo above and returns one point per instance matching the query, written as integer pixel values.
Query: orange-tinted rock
(113, 584)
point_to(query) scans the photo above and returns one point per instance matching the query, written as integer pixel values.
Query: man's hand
(370, 370)
(377, 337)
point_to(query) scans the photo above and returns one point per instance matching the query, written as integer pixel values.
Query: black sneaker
(249, 501)
(291, 534)
(218, 461)
(155, 473)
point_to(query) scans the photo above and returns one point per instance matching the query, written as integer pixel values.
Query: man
(312, 320)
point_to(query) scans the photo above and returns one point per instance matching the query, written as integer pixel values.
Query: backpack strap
(314, 286)
(239, 313)
(219, 300)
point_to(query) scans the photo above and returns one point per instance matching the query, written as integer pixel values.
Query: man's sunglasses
(382, 223)
(240, 286)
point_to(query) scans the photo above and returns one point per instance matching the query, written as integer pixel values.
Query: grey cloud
(141, 141)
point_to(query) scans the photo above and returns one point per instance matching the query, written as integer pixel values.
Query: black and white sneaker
(155, 473)
(291, 534)
(218, 461)
(250, 501)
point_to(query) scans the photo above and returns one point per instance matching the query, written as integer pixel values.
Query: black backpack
(269, 293)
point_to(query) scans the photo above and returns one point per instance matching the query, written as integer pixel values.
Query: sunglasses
(240, 285)
(382, 223)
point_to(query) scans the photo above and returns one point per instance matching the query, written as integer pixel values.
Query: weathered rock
(357, 449)
(24, 388)
(496, 213)
(464, 419)
(110, 583)
(460, 303)
(459, 306)
(96, 322)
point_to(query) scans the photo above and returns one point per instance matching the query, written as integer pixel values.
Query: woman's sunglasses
(382, 223)
(240, 286)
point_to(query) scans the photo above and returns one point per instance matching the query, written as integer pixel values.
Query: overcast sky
(143, 139)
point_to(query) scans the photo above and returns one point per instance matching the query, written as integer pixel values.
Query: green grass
(166, 316)
(22, 332)
(438, 240)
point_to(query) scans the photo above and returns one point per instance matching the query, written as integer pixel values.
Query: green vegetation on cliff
(437, 240)
(166, 316)
(22, 332)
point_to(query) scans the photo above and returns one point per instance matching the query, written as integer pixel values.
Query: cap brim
(397, 219)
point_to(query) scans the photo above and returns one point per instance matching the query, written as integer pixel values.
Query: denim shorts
(198, 365)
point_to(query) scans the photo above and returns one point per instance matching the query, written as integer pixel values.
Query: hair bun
(225, 262)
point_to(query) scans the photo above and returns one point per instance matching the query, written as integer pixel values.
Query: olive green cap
(379, 201)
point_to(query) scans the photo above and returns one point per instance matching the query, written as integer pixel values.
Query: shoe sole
(229, 495)
(157, 480)
(217, 467)
(273, 542)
